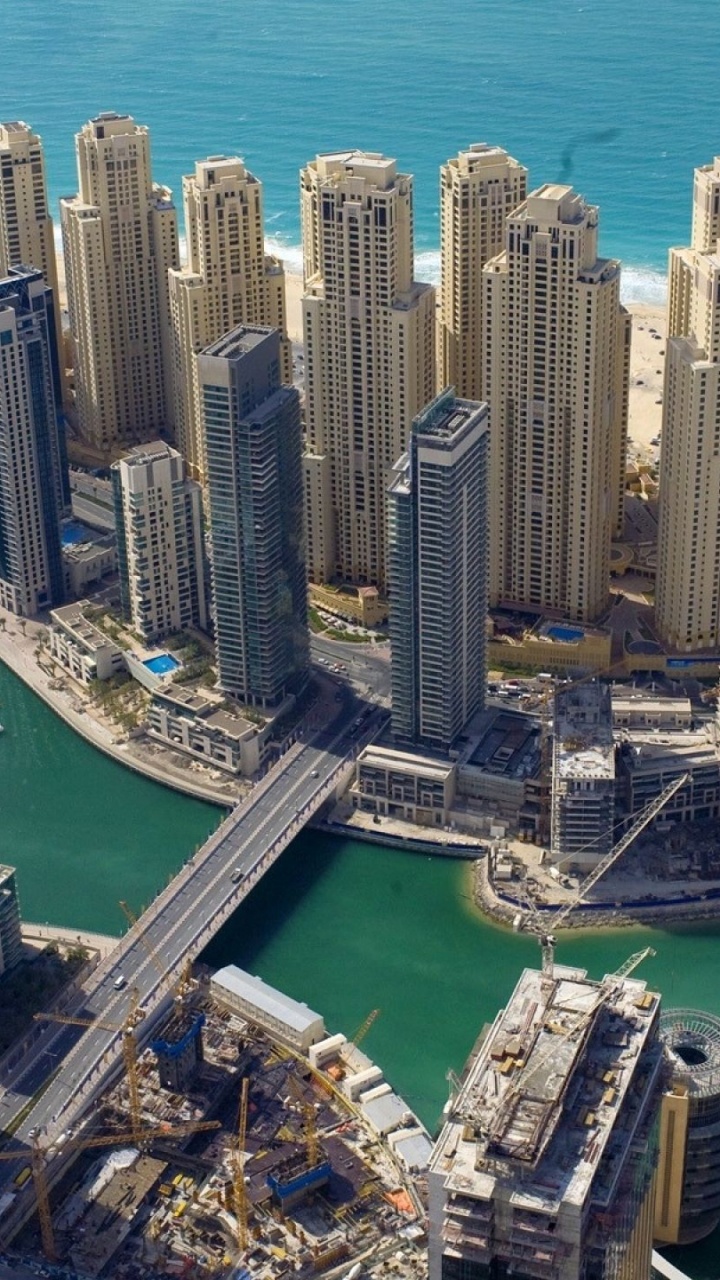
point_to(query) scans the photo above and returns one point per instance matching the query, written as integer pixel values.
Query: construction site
(226, 1150)
(545, 1165)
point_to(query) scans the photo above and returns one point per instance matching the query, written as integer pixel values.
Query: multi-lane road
(179, 923)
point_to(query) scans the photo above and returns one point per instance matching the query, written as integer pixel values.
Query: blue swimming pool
(566, 635)
(161, 664)
(71, 533)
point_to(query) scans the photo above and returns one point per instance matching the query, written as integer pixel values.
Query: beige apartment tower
(688, 573)
(369, 355)
(556, 379)
(120, 240)
(161, 556)
(26, 227)
(228, 281)
(479, 188)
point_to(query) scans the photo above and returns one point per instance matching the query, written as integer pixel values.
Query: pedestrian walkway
(99, 942)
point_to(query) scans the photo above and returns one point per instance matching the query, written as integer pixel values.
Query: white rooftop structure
(255, 1000)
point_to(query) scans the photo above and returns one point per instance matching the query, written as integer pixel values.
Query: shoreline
(612, 913)
(493, 907)
(31, 674)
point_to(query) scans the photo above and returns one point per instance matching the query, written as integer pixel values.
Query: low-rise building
(649, 761)
(638, 710)
(562, 647)
(400, 784)
(283, 1018)
(362, 605)
(200, 725)
(81, 647)
(88, 562)
(92, 499)
(499, 764)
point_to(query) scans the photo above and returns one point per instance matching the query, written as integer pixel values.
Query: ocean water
(618, 97)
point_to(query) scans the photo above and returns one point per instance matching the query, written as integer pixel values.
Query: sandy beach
(293, 306)
(647, 364)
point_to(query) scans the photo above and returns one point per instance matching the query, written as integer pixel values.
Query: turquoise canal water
(618, 97)
(347, 927)
(82, 831)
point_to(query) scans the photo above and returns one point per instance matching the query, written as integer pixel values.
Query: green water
(82, 831)
(347, 927)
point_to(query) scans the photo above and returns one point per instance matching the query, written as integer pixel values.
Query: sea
(617, 97)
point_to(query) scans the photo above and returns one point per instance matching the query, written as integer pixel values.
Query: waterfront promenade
(18, 646)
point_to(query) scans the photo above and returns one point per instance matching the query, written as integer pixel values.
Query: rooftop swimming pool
(161, 664)
(566, 635)
(72, 532)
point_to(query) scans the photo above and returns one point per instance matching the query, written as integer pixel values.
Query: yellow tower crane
(184, 983)
(39, 1154)
(127, 1027)
(309, 1114)
(364, 1027)
(240, 1200)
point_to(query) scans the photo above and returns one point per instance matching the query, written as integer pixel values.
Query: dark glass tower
(253, 442)
(31, 467)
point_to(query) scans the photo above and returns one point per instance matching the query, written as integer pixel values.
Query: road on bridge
(179, 923)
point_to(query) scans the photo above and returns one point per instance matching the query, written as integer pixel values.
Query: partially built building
(544, 1169)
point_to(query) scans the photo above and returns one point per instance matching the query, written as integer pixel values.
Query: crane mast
(547, 933)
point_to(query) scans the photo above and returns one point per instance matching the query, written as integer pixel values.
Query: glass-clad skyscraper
(438, 568)
(253, 447)
(31, 575)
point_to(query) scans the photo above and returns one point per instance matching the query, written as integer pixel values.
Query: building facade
(369, 355)
(287, 1020)
(31, 571)
(438, 564)
(85, 651)
(479, 188)
(26, 227)
(545, 1167)
(158, 521)
(556, 380)
(10, 929)
(254, 471)
(228, 280)
(687, 1203)
(687, 606)
(583, 775)
(120, 240)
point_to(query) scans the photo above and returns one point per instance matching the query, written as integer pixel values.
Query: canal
(345, 926)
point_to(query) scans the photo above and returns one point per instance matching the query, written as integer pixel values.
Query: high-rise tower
(26, 227)
(556, 380)
(120, 239)
(437, 566)
(228, 280)
(254, 471)
(688, 573)
(479, 188)
(158, 518)
(31, 575)
(369, 355)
